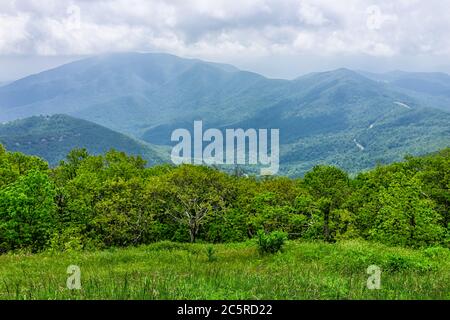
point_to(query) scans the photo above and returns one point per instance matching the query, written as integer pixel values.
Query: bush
(211, 254)
(436, 252)
(272, 242)
(398, 263)
(66, 240)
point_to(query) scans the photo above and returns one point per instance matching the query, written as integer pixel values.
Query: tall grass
(237, 271)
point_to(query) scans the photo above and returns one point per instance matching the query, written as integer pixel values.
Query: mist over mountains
(351, 119)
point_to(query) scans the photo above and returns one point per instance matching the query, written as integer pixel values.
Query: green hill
(54, 136)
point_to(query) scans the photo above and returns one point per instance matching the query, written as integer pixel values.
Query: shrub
(211, 254)
(436, 252)
(398, 263)
(271, 242)
(66, 240)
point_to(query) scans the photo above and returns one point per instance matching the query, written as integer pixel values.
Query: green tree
(27, 212)
(124, 215)
(15, 164)
(405, 217)
(190, 194)
(330, 187)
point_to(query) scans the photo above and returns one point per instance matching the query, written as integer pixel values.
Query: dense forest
(95, 202)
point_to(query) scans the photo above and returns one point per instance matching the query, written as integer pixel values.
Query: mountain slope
(384, 141)
(131, 92)
(341, 117)
(432, 89)
(316, 103)
(53, 137)
(345, 119)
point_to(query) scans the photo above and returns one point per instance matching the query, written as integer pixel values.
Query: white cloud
(217, 29)
(376, 18)
(13, 34)
(311, 15)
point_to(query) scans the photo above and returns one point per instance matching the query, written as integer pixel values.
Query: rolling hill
(350, 119)
(52, 137)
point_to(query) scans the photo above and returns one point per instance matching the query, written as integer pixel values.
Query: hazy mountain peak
(344, 73)
(341, 73)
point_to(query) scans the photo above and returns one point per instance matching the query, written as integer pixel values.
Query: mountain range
(352, 119)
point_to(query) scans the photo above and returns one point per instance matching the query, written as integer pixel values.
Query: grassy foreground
(232, 271)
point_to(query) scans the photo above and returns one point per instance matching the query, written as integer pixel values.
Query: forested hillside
(99, 201)
(52, 138)
(344, 118)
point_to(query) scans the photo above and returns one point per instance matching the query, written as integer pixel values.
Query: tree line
(99, 201)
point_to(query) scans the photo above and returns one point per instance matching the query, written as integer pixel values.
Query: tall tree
(330, 187)
(189, 194)
(27, 212)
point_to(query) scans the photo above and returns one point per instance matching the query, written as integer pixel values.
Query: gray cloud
(229, 30)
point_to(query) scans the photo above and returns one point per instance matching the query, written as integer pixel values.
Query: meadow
(167, 270)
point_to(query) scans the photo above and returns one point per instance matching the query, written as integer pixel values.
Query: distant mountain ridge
(430, 88)
(342, 117)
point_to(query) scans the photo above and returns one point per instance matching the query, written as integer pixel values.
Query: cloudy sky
(278, 38)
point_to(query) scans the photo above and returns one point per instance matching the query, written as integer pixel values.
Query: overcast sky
(278, 38)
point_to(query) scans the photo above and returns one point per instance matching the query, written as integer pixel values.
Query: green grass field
(232, 271)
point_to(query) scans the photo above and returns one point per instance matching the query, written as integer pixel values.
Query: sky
(277, 38)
